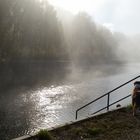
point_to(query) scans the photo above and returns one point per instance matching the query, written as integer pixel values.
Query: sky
(118, 15)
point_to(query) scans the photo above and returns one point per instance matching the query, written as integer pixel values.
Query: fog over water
(53, 62)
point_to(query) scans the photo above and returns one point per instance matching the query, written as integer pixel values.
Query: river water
(26, 110)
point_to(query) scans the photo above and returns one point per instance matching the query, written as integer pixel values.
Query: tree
(91, 44)
(29, 29)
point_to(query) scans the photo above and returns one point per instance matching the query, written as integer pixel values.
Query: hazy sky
(118, 15)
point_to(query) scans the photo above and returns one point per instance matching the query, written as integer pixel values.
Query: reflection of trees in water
(33, 40)
(32, 31)
(32, 73)
(30, 35)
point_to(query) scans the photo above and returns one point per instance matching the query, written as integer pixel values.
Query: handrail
(108, 93)
(112, 104)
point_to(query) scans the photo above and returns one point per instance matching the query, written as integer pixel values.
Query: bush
(129, 107)
(44, 135)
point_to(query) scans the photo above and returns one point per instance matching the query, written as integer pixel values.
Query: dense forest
(31, 31)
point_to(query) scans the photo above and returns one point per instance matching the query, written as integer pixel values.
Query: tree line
(31, 30)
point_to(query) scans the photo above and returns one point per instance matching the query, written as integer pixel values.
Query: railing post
(108, 99)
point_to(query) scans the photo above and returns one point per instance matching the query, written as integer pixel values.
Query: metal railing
(108, 98)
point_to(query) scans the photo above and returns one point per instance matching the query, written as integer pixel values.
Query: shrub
(129, 107)
(44, 135)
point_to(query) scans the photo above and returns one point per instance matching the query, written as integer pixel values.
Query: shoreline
(116, 125)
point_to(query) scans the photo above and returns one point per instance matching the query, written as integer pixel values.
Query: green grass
(129, 107)
(44, 135)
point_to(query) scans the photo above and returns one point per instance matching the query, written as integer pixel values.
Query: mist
(91, 47)
(52, 62)
(129, 48)
(37, 37)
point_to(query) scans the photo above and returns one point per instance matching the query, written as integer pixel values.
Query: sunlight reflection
(49, 102)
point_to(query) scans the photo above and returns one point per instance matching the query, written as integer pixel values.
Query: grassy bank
(115, 125)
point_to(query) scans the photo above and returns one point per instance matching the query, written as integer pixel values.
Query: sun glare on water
(75, 6)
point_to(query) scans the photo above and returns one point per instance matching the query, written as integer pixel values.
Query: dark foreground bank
(116, 125)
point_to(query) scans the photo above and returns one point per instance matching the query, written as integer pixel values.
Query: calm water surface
(25, 111)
